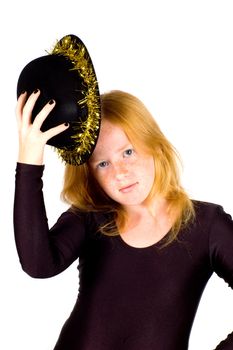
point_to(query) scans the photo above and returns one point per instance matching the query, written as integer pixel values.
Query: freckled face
(125, 174)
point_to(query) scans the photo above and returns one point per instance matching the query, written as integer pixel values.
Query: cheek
(151, 167)
(104, 181)
(149, 171)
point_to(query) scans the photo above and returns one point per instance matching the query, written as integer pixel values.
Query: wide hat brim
(66, 75)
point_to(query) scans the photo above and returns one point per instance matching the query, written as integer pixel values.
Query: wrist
(30, 157)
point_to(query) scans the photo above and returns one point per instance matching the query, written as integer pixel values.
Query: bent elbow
(39, 273)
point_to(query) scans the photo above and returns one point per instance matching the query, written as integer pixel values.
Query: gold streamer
(87, 131)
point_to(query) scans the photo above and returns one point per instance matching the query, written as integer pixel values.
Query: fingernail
(35, 91)
(23, 92)
(66, 124)
(51, 102)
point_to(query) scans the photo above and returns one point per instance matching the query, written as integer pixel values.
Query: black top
(129, 298)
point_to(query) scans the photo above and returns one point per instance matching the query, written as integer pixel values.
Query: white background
(177, 56)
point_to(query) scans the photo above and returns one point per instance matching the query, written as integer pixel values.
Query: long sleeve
(43, 252)
(221, 256)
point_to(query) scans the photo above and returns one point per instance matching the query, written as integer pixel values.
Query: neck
(155, 208)
(156, 212)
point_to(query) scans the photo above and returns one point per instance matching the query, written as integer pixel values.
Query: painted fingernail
(51, 102)
(23, 92)
(66, 124)
(35, 91)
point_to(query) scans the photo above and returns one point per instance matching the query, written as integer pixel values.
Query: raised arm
(42, 252)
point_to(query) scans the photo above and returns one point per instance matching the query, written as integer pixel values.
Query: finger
(19, 106)
(43, 114)
(55, 131)
(28, 107)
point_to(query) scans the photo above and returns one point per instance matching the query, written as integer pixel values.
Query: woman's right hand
(31, 139)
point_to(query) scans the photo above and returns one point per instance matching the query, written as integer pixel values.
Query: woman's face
(125, 174)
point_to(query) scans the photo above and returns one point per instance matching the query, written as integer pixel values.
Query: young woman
(145, 250)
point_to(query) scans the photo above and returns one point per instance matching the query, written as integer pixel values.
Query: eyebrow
(94, 159)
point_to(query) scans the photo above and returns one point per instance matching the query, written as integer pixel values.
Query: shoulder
(206, 210)
(92, 219)
(205, 207)
(211, 232)
(209, 215)
(217, 226)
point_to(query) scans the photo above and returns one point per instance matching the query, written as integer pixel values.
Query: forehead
(111, 138)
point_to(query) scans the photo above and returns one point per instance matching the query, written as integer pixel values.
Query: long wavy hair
(83, 193)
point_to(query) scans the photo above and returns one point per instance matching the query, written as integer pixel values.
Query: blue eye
(128, 152)
(103, 164)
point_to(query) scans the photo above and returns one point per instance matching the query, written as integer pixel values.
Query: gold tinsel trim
(87, 131)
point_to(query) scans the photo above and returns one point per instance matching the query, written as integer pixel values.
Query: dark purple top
(129, 298)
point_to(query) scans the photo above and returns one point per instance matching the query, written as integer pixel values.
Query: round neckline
(153, 245)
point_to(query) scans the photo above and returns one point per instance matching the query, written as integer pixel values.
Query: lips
(128, 188)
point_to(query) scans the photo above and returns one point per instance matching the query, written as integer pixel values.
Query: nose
(121, 171)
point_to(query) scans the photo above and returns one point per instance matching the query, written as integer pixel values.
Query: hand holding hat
(31, 139)
(67, 77)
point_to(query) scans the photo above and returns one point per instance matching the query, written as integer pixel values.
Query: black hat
(66, 75)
